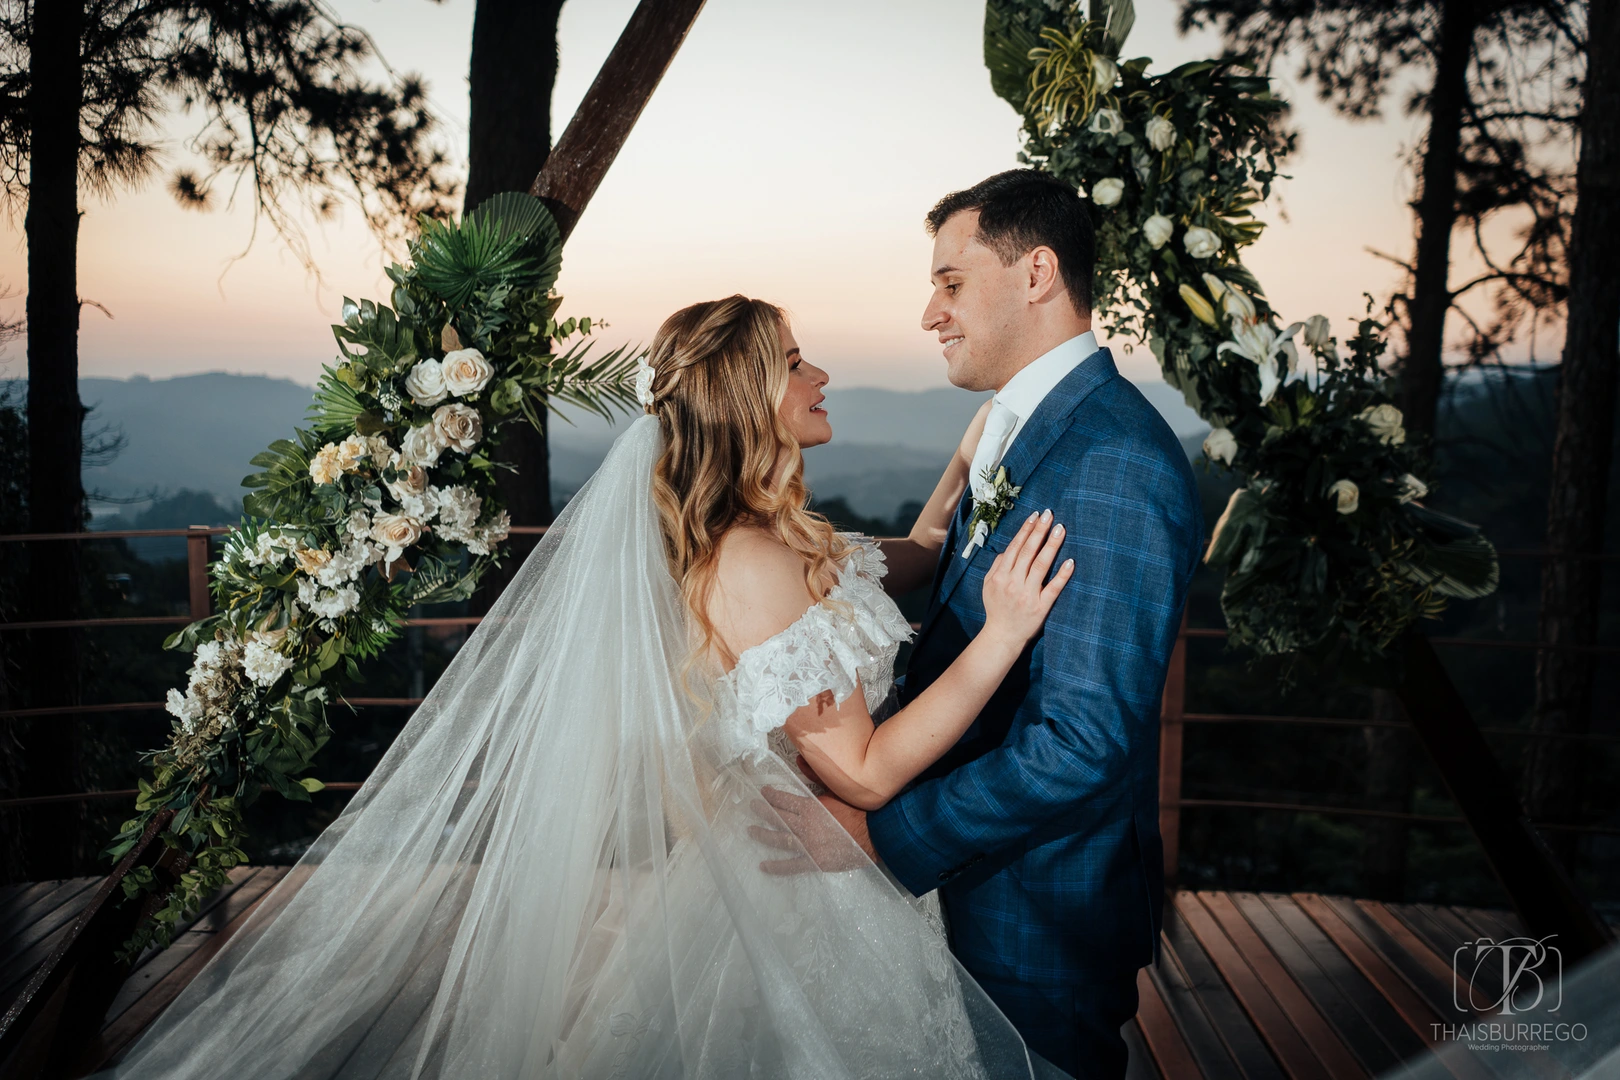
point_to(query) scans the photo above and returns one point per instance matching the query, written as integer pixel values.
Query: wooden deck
(1250, 986)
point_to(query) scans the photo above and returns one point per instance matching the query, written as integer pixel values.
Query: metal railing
(1173, 713)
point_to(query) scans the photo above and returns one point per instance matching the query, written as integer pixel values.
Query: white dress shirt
(1011, 409)
(1022, 395)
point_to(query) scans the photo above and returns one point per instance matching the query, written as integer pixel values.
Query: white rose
(396, 532)
(1161, 133)
(422, 446)
(1386, 423)
(1200, 242)
(425, 383)
(1347, 496)
(1158, 230)
(1107, 192)
(1104, 71)
(1409, 487)
(1107, 122)
(1220, 445)
(325, 467)
(466, 372)
(459, 427)
(1318, 332)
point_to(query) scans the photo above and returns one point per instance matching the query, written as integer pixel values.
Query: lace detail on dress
(850, 638)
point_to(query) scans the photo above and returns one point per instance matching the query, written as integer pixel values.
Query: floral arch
(387, 498)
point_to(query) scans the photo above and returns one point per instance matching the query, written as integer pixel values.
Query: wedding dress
(550, 875)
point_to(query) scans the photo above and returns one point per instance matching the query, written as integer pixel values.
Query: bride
(557, 868)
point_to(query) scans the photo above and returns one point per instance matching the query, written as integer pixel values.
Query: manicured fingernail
(1046, 515)
(1032, 517)
(1057, 529)
(1068, 564)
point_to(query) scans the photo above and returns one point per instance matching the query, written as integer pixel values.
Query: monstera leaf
(1006, 53)
(511, 239)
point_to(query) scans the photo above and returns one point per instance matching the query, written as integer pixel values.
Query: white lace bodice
(847, 640)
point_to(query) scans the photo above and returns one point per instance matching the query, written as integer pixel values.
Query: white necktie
(998, 429)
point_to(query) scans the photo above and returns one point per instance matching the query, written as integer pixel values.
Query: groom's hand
(817, 843)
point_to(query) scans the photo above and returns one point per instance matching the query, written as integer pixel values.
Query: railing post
(1171, 710)
(197, 573)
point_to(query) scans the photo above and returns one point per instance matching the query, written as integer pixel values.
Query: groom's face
(977, 305)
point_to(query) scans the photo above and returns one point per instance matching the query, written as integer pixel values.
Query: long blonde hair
(719, 377)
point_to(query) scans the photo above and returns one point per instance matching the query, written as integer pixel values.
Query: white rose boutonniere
(993, 496)
(1107, 192)
(459, 427)
(1409, 488)
(465, 372)
(425, 383)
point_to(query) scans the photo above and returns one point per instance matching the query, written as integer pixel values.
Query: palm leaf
(510, 239)
(337, 406)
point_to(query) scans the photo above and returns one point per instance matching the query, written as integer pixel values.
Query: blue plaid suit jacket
(1040, 827)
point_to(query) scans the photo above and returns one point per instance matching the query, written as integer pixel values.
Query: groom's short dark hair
(1020, 210)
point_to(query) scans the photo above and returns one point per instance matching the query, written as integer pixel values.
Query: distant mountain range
(198, 432)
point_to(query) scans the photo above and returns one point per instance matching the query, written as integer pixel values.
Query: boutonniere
(993, 496)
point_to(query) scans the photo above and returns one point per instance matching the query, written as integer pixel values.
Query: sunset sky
(790, 153)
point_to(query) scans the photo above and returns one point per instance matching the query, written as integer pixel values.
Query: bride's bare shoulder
(759, 588)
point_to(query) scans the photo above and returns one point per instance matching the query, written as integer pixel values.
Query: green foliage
(386, 502)
(1328, 552)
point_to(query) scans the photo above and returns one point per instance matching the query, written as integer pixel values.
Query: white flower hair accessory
(644, 381)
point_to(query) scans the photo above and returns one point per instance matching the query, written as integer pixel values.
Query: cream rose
(1346, 495)
(396, 532)
(325, 467)
(425, 383)
(411, 481)
(422, 446)
(1107, 192)
(1386, 422)
(1104, 71)
(459, 427)
(1107, 122)
(1220, 445)
(1200, 242)
(1318, 332)
(310, 560)
(466, 372)
(1158, 229)
(1161, 133)
(350, 451)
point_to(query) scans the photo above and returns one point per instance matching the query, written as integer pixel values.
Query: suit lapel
(1021, 460)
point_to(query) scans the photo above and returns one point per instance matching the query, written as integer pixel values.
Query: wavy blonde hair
(719, 376)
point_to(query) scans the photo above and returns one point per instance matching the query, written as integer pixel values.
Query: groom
(1040, 827)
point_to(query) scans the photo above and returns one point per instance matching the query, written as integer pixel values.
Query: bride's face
(801, 410)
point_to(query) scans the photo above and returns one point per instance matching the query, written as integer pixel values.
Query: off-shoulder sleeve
(835, 645)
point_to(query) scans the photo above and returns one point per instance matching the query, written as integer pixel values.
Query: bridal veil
(549, 875)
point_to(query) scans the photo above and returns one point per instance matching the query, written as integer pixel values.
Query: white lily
(1260, 342)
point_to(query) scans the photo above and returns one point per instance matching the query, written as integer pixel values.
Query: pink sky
(790, 153)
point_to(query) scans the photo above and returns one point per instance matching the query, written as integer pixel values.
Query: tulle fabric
(549, 875)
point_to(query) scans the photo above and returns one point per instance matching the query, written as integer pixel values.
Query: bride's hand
(1017, 595)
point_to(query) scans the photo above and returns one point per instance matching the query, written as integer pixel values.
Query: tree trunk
(1570, 580)
(514, 67)
(55, 422)
(1423, 369)
(1388, 787)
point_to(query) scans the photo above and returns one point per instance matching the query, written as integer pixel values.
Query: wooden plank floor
(1250, 986)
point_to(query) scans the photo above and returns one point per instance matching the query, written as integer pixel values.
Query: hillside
(198, 432)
